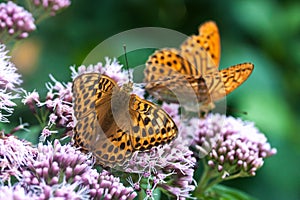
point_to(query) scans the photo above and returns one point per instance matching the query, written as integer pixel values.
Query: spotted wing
(168, 72)
(202, 51)
(234, 76)
(115, 146)
(166, 75)
(209, 39)
(151, 125)
(84, 90)
(96, 131)
(165, 63)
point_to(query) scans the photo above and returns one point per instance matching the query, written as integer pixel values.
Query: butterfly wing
(115, 147)
(172, 74)
(203, 51)
(209, 39)
(96, 130)
(165, 75)
(234, 76)
(165, 63)
(150, 125)
(215, 86)
(84, 90)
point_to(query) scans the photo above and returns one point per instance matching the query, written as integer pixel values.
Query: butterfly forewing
(165, 63)
(84, 90)
(209, 39)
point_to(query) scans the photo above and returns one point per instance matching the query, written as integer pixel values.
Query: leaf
(32, 135)
(220, 192)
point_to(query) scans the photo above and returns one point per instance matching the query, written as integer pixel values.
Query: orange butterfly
(112, 123)
(191, 73)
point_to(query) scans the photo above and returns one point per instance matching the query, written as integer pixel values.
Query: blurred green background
(266, 33)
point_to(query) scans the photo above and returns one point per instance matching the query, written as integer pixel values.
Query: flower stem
(208, 179)
(141, 194)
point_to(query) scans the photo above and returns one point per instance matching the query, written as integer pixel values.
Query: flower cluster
(62, 171)
(15, 192)
(15, 155)
(58, 102)
(9, 80)
(15, 21)
(233, 148)
(170, 167)
(52, 6)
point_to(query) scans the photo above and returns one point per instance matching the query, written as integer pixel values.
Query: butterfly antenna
(126, 62)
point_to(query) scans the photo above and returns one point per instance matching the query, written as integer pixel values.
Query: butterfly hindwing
(151, 126)
(234, 76)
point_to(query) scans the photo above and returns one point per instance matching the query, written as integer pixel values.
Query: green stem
(208, 179)
(42, 117)
(204, 176)
(141, 194)
(43, 16)
(39, 119)
(238, 175)
(29, 5)
(212, 183)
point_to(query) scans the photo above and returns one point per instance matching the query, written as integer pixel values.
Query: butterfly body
(112, 123)
(191, 73)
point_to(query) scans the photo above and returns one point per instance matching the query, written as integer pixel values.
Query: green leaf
(220, 192)
(32, 135)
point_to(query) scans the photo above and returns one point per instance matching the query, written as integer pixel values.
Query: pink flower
(52, 6)
(14, 192)
(230, 147)
(170, 167)
(15, 155)
(15, 21)
(9, 82)
(63, 171)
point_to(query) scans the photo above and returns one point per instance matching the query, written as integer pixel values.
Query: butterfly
(112, 123)
(191, 73)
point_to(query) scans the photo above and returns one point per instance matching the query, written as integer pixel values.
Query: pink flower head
(170, 167)
(231, 146)
(53, 6)
(15, 21)
(63, 171)
(15, 155)
(9, 80)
